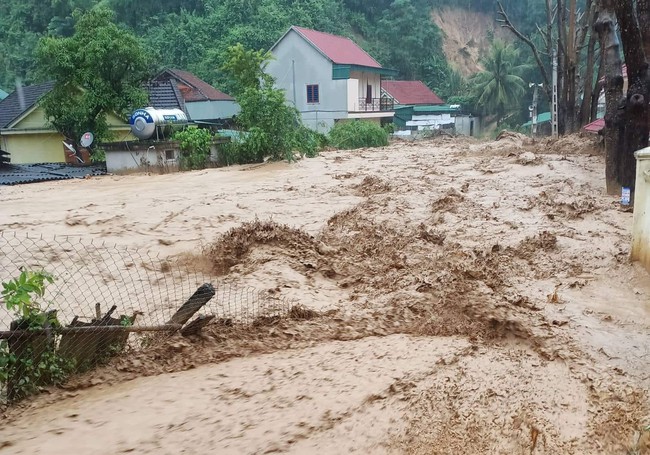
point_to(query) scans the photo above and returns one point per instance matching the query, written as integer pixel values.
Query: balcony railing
(375, 104)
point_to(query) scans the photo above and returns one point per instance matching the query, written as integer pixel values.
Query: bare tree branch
(506, 23)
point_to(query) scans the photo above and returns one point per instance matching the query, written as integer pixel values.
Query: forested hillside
(194, 34)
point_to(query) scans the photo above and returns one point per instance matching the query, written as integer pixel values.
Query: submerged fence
(69, 304)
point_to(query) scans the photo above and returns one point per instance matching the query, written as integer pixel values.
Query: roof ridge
(303, 32)
(324, 33)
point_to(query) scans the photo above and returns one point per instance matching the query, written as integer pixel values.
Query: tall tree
(627, 116)
(98, 70)
(499, 87)
(567, 29)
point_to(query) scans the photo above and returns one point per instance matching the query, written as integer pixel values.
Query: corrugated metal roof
(15, 174)
(438, 109)
(340, 50)
(596, 126)
(410, 92)
(544, 117)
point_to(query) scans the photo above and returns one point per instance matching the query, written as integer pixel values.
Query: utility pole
(293, 82)
(533, 108)
(554, 121)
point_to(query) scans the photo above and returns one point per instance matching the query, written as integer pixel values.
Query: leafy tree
(246, 69)
(499, 87)
(412, 52)
(274, 128)
(98, 70)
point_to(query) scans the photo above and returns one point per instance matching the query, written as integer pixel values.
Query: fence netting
(69, 304)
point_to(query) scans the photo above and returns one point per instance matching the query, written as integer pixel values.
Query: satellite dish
(87, 139)
(70, 147)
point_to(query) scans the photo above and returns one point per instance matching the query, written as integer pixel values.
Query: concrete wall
(211, 110)
(464, 125)
(295, 55)
(641, 222)
(119, 161)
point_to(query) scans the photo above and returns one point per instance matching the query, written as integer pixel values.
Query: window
(170, 155)
(369, 94)
(313, 96)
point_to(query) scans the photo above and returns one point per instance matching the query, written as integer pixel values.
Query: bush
(357, 134)
(308, 142)
(35, 362)
(195, 147)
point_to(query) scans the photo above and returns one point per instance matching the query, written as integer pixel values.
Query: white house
(329, 78)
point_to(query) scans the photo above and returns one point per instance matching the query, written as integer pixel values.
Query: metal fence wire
(69, 304)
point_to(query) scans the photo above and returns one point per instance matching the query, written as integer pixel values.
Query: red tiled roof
(338, 49)
(195, 89)
(411, 92)
(596, 126)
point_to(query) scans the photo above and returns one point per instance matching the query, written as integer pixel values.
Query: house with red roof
(329, 78)
(200, 101)
(409, 93)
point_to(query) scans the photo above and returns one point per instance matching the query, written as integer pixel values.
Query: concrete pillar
(641, 223)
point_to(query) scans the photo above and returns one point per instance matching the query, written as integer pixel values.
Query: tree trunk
(598, 87)
(633, 124)
(606, 28)
(586, 105)
(571, 70)
(643, 13)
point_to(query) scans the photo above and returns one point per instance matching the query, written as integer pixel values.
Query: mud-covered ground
(471, 297)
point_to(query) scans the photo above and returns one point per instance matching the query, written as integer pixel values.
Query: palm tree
(498, 88)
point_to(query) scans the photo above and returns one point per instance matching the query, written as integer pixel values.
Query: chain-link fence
(69, 304)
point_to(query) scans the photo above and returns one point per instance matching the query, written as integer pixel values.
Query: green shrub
(37, 364)
(195, 147)
(308, 142)
(357, 134)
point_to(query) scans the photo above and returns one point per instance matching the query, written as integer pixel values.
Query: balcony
(374, 105)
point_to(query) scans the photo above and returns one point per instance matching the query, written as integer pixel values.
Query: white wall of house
(468, 125)
(430, 121)
(353, 95)
(298, 64)
(210, 110)
(125, 160)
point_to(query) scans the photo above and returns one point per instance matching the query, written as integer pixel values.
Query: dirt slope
(466, 37)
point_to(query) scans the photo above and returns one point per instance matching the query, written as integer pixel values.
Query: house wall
(641, 220)
(119, 161)
(464, 125)
(32, 140)
(211, 110)
(34, 147)
(433, 121)
(294, 55)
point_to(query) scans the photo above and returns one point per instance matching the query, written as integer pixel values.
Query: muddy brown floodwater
(472, 297)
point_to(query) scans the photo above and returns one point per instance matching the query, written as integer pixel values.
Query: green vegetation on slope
(196, 34)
